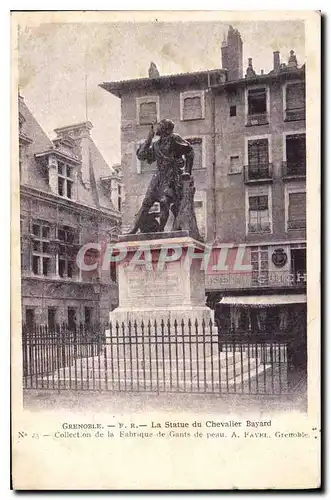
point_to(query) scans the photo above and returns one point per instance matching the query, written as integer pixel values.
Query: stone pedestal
(154, 288)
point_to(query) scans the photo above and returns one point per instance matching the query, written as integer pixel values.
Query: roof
(122, 86)
(198, 77)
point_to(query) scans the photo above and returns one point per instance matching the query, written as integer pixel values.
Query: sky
(61, 65)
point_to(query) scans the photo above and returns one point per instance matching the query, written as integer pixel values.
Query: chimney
(232, 54)
(276, 60)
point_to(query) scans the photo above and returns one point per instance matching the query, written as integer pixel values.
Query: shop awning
(264, 300)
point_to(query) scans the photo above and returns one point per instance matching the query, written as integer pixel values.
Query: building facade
(248, 135)
(69, 196)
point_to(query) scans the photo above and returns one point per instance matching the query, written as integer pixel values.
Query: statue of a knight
(174, 156)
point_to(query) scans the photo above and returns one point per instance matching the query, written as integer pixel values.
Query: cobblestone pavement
(78, 401)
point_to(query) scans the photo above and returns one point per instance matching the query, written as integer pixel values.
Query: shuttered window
(147, 113)
(296, 149)
(196, 144)
(258, 152)
(192, 108)
(295, 96)
(297, 211)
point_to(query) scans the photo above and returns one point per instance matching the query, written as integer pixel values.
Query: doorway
(298, 262)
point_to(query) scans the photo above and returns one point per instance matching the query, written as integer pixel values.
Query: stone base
(193, 313)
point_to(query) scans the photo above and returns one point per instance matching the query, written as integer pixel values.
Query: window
(295, 102)
(88, 311)
(148, 111)
(296, 155)
(257, 106)
(41, 256)
(260, 266)
(65, 180)
(258, 159)
(200, 211)
(192, 105)
(296, 211)
(144, 166)
(235, 167)
(258, 152)
(258, 214)
(233, 110)
(66, 262)
(72, 318)
(51, 319)
(20, 159)
(119, 197)
(196, 143)
(192, 108)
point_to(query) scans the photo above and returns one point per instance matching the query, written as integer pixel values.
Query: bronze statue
(166, 185)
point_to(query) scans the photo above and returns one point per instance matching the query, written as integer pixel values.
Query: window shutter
(295, 96)
(192, 108)
(197, 148)
(148, 113)
(297, 207)
(296, 149)
(258, 152)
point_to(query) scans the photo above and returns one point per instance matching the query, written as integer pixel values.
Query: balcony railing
(254, 280)
(259, 228)
(295, 114)
(294, 170)
(257, 119)
(258, 172)
(296, 224)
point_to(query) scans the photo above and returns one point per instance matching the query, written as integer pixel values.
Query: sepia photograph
(160, 246)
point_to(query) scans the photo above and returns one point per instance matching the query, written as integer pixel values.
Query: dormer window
(65, 180)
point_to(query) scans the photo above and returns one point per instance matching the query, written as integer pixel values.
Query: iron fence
(183, 357)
